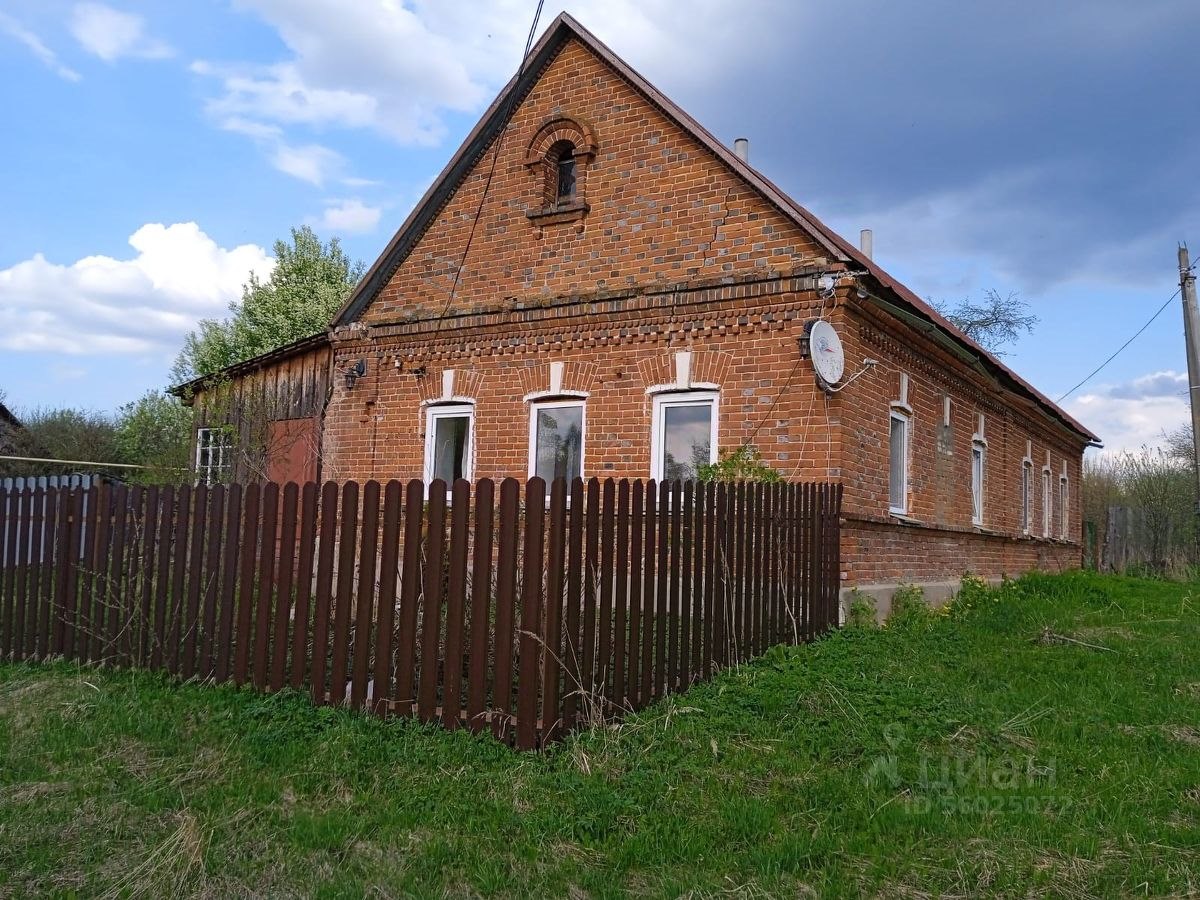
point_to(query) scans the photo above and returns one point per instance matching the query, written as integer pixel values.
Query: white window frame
(1047, 503)
(1026, 495)
(434, 412)
(211, 473)
(538, 406)
(663, 402)
(898, 415)
(1064, 506)
(978, 479)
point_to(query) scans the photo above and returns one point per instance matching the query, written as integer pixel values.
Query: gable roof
(563, 28)
(187, 391)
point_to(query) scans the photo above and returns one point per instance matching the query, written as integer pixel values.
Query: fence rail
(525, 611)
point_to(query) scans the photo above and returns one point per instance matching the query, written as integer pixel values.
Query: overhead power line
(1096, 371)
(491, 173)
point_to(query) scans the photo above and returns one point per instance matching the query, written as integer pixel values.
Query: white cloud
(111, 34)
(397, 68)
(348, 217)
(1135, 413)
(145, 304)
(311, 162)
(33, 43)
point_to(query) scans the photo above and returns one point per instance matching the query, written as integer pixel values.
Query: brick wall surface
(676, 254)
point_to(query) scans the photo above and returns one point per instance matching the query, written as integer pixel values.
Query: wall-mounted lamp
(355, 372)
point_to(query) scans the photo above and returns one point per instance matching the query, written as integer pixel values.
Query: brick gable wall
(663, 209)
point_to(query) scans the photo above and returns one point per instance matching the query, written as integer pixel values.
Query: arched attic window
(560, 170)
(559, 156)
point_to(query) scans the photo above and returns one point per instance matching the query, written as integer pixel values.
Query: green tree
(67, 434)
(310, 281)
(155, 431)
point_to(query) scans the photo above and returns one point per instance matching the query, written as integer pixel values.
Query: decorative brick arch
(559, 135)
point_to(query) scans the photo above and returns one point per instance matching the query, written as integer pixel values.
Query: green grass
(960, 753)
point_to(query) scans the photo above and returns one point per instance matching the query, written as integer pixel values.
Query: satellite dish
(828, 357)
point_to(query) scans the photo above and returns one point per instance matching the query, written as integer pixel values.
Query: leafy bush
(909, 606)
(743, 464)
(862, 611)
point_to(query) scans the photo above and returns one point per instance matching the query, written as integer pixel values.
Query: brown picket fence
(507, 608)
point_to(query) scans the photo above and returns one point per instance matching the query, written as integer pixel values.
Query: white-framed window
(683, 434)
(978, 470)
(449, 442)
(214, 454)
(1026, 496)
(556, 439)
(1047, 504)
(1064, 505)
(898, 449)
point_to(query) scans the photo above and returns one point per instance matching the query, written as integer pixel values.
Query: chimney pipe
(866, 243)
(741, 149)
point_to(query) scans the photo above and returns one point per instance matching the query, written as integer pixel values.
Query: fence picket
(384, 630)
(552, 669)
(649, 589)
(432, 600)
(452, 670)
(661, 600)
(572, 645)
(323, 592)
(285, 584)
(162, 575)
(682, 671)
(67, 563)
(591, 585)
(8, 576)
(246, 585)
(531, 615)
(302, 614)
(633, 643)
(368, 554)
(212, 580)
(481, 603)
(29, 613)
(410, 596)
(621, 598)
(229, 573)
(147, 566)
(183, 522)
(674, 588)
(506, 587)
(603, 678)
(345, 590)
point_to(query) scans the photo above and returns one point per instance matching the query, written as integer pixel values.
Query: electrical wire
(512, 97)
(1136, 334)
(1098, 368)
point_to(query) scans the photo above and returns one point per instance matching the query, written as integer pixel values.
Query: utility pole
(1191, 334)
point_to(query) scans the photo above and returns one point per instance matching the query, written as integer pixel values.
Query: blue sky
(153, 152)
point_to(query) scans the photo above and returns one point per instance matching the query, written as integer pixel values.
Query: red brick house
(635, 299)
